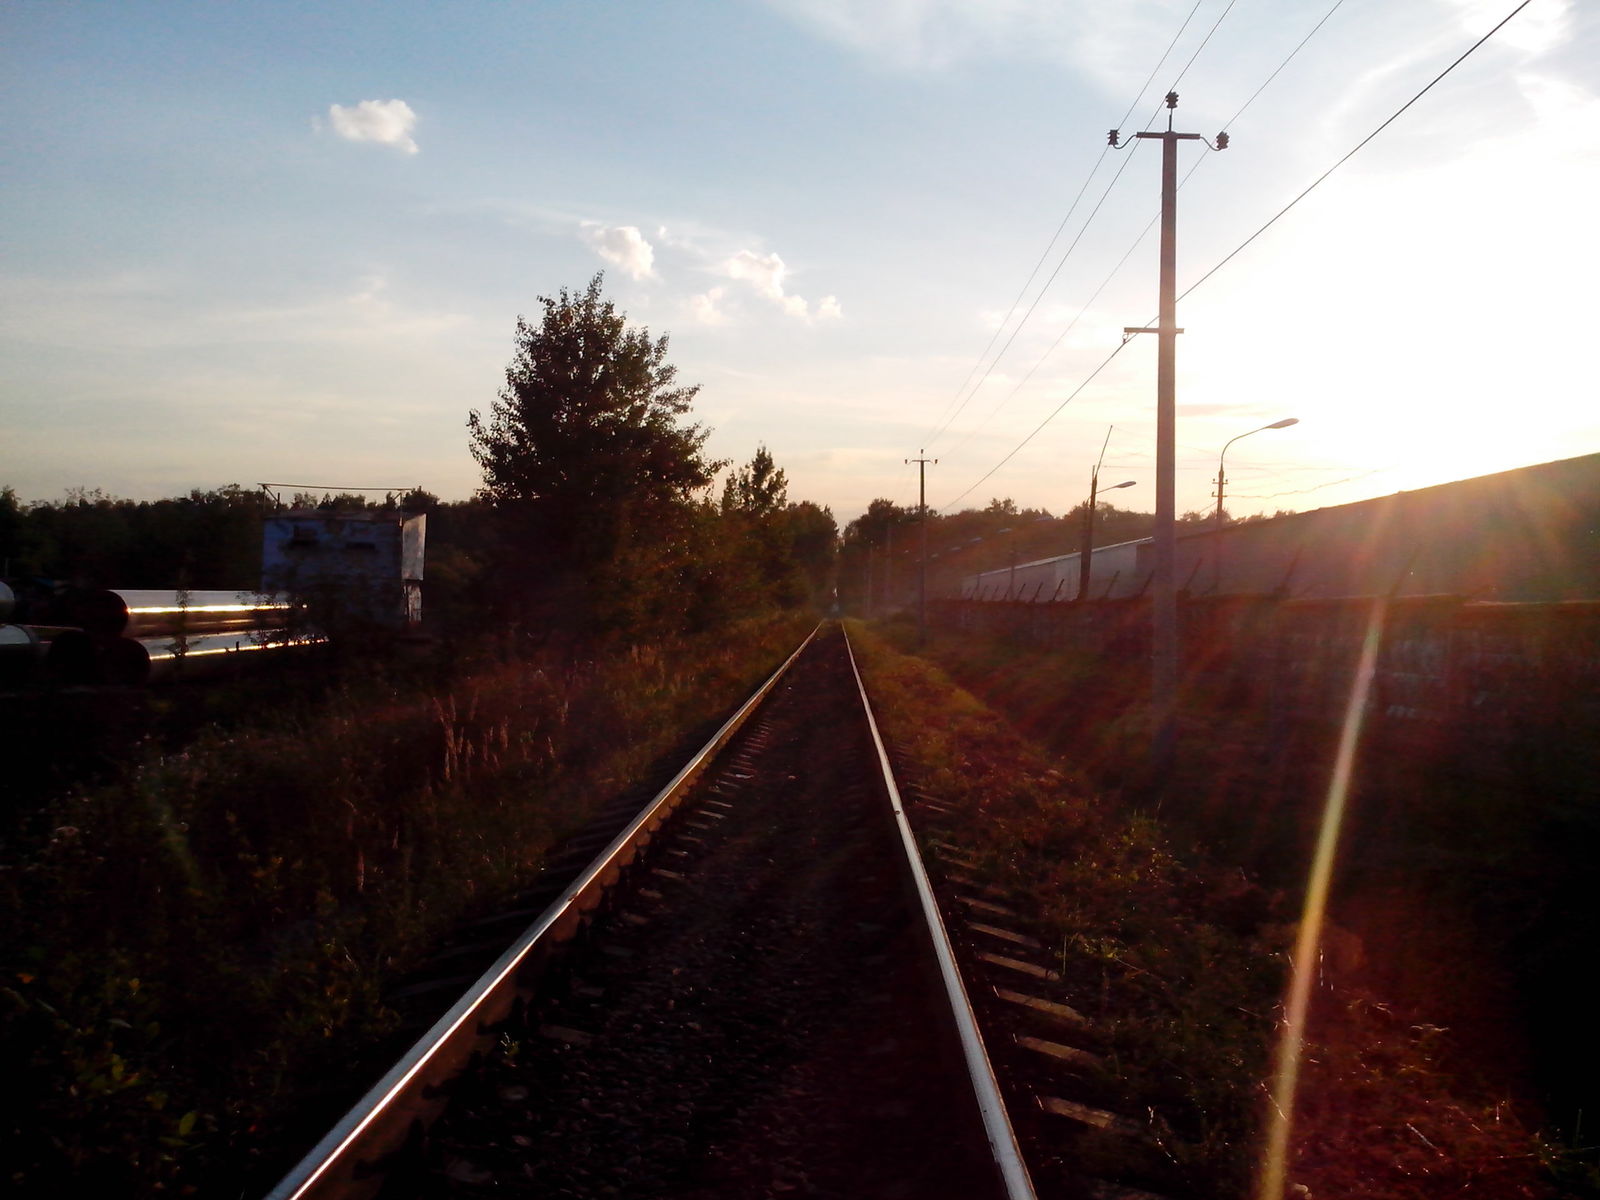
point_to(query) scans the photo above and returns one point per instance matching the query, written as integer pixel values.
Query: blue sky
(248, 242)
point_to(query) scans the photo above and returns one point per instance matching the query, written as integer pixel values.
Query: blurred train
(1531, 534)
(56, 633)
(343, 568)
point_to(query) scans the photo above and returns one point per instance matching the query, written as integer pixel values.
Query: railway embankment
(197, 943)
(1420, 1078)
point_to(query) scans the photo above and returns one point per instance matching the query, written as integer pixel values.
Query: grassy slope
(1184, 962)
(192, 945)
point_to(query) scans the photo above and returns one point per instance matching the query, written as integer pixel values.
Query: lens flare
(1275, 1158)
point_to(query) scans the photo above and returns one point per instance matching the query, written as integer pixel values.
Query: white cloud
(387, 122)
(1102, 38)
(704, 308)
(1540, 29)
(765, 273)
(622, 245)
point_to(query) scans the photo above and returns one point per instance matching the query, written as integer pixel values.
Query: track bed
(756, 1013)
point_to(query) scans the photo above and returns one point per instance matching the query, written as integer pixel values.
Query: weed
(192, 947)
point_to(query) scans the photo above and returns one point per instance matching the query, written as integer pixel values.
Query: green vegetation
(1158, 912)
(1153, 946)
(191, 948)
(198, 934)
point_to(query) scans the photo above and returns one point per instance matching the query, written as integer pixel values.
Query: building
(366, 564)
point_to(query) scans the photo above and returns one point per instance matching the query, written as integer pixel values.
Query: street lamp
(1222, 479)
(1086, 554)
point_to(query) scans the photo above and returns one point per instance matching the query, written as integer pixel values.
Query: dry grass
(190, 947)
(1183, 961)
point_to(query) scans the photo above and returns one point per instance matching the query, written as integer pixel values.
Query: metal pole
(1222, 479)
(1086, 551)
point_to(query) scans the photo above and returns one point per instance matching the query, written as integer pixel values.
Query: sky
(288, 242)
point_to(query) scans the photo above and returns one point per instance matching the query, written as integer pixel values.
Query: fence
(1487, 683)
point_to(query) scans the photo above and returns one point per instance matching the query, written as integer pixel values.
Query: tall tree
(585, 443)
(758, 489)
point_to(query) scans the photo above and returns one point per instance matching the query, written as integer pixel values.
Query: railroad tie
(1007, 935)
(1097, 1118)
(988, 889)
(1046, 1008)
(998, 910)
(1070, 1055)
(1025, 968)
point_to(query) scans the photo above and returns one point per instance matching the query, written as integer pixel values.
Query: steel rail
(996, 1120)
(382, 1120)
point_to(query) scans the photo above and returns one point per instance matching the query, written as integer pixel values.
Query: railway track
(754, 988)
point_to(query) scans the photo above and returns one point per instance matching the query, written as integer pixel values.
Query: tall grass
(1163, 909)
(192, 946)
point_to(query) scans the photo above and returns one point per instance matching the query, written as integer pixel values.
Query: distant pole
(1222, 458)
(1222, 480)
(1164, 640)
(922, 566)
(1086, 551)
(888, 568)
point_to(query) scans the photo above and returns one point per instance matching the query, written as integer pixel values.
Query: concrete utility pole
(1164, 655)
(922, 569)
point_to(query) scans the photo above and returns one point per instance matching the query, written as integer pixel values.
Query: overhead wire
(1274, 219)
(1316, 487)
(1006, 399)
(1354, 150)
(1033, 274)
(1104, 363)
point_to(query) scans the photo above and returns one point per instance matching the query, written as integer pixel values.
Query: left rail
(345, 1163)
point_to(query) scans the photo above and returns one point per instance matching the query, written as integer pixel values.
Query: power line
(1145, 232)
(1317, 487)
(1056, 236)
(1357, 147)
(1079, 315)
(1277, 72)
(1104, 363)
(1235, 252)
(1201, 46)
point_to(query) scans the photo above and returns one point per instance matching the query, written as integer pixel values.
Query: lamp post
(1086, 554)
(1221, 482)
(1222, 478)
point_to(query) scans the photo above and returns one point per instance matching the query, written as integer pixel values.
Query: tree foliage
(757, 489)
(585, 445)
(207, 539)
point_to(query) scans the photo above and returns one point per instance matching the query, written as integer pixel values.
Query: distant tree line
(598, 511)
(207, 539)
